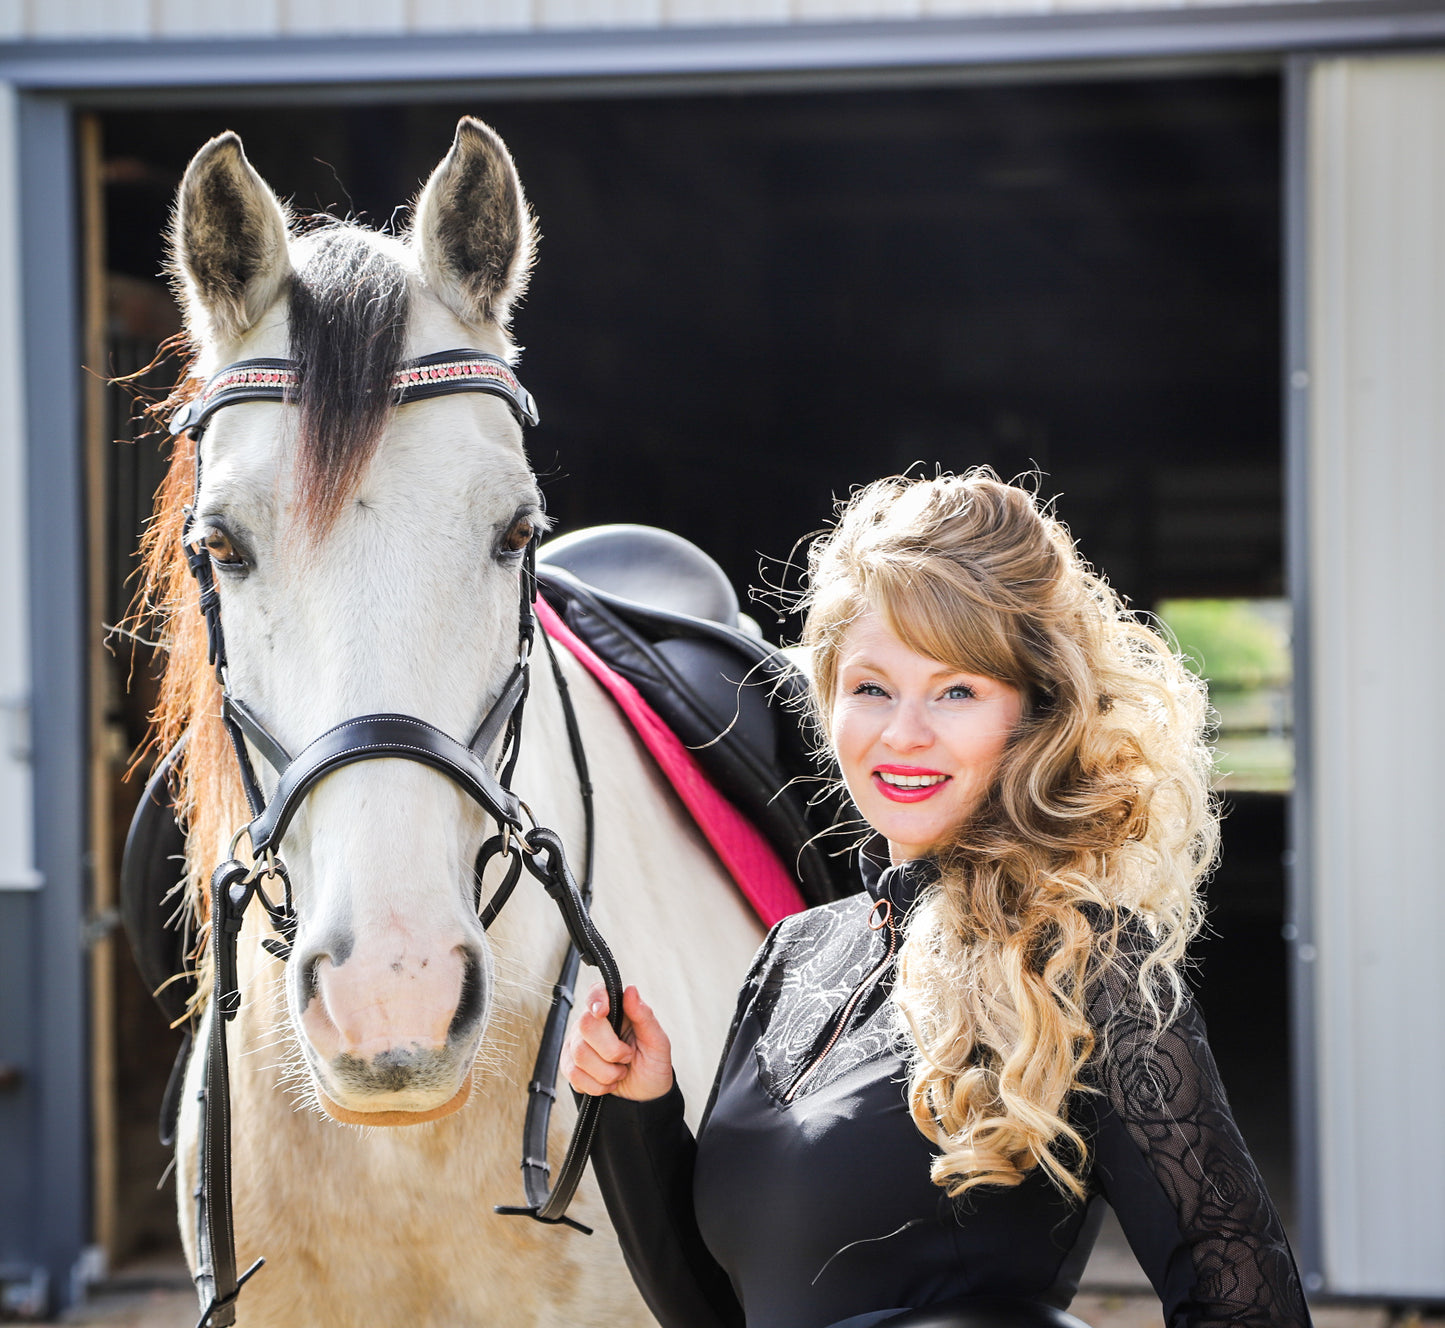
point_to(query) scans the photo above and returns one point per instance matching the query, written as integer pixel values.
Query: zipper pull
(880, 916)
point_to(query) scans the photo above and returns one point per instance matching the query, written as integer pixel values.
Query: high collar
(901, 884)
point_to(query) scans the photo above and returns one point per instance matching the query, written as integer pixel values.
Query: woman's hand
(637, 1066)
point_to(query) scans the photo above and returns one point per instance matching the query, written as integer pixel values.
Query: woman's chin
(910, 833)
(913, 829)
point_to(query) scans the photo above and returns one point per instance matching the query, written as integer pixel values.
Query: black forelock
(348, 311)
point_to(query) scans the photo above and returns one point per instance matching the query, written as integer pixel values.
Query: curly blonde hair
(1100, 809)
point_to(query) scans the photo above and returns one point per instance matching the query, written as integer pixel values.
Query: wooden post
(102, 683)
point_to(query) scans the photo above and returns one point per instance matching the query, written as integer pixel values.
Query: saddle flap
(737, 703)
(153, 864)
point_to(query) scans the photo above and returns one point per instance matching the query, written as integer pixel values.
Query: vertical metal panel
(1377, 554)
(343, 17)
(83, 19)
(17, 851)
(88, 18)
(857, 9)
(20, 1180)
(1299, 926)
(598, 13)
(728, 11)
(469, 15)
(950, 8)
(217, 18)
(58, 1206)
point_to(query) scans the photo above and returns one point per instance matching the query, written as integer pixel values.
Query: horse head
(367, 559)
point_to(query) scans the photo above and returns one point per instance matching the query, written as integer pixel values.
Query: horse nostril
(473, 1000)
(311, 979)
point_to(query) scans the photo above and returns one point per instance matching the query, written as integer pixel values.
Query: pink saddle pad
(760, 874)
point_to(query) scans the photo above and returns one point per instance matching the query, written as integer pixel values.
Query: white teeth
(911, 781)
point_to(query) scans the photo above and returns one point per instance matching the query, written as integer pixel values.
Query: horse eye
(519, 535)
(218, 544)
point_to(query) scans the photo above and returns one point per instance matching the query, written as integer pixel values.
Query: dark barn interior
(746, 303)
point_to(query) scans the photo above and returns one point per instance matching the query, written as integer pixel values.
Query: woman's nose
(908, 728)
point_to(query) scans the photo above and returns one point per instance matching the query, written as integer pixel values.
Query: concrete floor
(177, 1309)
(1114, 1295)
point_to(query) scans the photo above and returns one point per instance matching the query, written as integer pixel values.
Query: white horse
(365, 559)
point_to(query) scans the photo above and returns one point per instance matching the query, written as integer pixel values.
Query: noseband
(370, 738)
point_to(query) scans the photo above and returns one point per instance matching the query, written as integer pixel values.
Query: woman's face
(918, 741)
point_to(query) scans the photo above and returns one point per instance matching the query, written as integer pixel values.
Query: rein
(234, 884)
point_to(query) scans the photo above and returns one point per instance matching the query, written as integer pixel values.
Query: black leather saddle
(646, 567)
(661, 613)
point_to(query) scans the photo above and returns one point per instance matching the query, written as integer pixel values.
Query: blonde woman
(931, 1088)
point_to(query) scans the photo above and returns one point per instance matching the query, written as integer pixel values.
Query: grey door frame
(43, 1120)
(44, 1123)
(1299, 926)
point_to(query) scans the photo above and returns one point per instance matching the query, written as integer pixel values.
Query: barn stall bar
(1263, 434)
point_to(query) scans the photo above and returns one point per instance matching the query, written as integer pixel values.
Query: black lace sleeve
(643, 1156)
(1173, 1165)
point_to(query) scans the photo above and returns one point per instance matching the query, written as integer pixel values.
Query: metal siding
(49, 305)
(952, 8)
(598, 13)
(1299, 928)
(858, 9)
(17, 838)
(465, 15)
(215, 18)
(88, 18)
(1377, 331)
(19, 1182)
(72, 19)
(343, 17)
(399, 68)
(729, 11)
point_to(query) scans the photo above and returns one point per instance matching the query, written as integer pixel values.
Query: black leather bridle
(368, 738)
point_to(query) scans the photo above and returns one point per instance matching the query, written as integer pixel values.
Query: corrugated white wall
(1376, 197)
(17, 862)
(77, 19)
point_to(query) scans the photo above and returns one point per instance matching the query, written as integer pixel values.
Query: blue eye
(960, 692)
(868, 689)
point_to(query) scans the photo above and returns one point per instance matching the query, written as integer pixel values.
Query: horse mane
(347, 310)
(205, 787)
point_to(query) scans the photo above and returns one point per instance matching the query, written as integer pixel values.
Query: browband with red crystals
(435, 375)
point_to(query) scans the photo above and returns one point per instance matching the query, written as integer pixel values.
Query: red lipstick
(896, 792)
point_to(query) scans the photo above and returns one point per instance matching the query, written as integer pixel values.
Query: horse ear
(228, 242)
(474, 232)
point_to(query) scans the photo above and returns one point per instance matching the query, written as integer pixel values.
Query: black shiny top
(806, 1201)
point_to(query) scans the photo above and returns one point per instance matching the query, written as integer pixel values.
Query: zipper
(840, 1020)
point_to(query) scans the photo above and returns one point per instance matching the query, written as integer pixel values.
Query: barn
(1185, 262)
